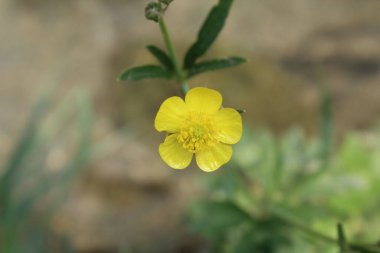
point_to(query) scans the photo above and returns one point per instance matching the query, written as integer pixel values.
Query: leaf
(25, 204)
(215, 65)
(145, 72)
(214, 218)
(262, 235)
(23, 148)
(354, 154)
(161, 56)
(326, 128)
(209, 32)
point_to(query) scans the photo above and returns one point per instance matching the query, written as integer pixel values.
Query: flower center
(197, 132)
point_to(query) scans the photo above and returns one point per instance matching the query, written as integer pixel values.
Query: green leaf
(161, 56)
(145, 72)
(214, 218)
(215, 65)
(23, 148)
(24, 205)
(209, 32)
(262, 235)
(326, 128)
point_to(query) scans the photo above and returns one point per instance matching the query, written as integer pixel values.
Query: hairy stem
(181, 76)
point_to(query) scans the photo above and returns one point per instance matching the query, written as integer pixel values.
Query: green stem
(293, 222)
(318, 235)
(181, 76)
(302, 227)
(184, 88)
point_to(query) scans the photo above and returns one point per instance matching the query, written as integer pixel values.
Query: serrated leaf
(145, 72)
(161, 56)
(209, 32)
(216, 64)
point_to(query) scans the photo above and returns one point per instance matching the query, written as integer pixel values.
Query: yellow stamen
(197, 132)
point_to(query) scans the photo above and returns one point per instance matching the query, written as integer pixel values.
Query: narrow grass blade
(23, 148)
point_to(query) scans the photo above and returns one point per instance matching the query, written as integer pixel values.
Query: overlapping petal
(211, 159)
(229, 124)
(203, 100)
(174, 154)
(171, 115)
(201, 120)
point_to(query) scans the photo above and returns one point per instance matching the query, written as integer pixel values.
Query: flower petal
(171, 115)
(229, 125)
(173, 154)
(203, 100)
(211, 159)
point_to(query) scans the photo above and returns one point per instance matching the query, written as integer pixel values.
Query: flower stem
(181, 76)
(184, 88)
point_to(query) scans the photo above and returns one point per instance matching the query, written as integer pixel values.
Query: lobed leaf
(145, 72)
(214, 218)
(216, 64)
(209, 32)
(161, 56)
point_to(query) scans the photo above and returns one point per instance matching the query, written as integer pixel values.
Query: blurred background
(78, 151)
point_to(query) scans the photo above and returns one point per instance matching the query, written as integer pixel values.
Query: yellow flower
(198, 126)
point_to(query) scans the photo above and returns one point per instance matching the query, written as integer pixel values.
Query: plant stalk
(318, 235)
(302, 227)
(181, 76)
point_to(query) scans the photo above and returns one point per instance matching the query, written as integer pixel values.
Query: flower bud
(166, 2)
(153, 11)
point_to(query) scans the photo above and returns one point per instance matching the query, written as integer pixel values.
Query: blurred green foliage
(54, 146)
(287, 194)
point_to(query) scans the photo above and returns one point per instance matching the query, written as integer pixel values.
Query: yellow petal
(211, 159)
(171, 115)
(203, 100)
(229, 124)
(173, 154)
